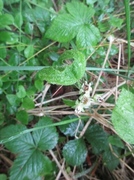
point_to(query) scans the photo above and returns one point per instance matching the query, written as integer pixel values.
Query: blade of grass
(127, 11)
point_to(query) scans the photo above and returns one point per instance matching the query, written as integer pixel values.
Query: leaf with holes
(66, 74)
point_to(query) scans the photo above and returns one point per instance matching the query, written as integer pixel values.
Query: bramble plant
(66, 89)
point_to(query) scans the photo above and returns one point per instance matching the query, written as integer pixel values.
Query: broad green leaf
(20, 144)
(18, 20)
(123, 116)
(80, 11)
(63, 29)
(74, 22)
(6, 19)
(30, 164)
(65, 75)
(70, 129)
(75, 152)
(29, 51)
(88, 36)
(1, 5)
(22, 116)
(8, 37)
(22, 92)
(109, 159)
(28, 103)
(3, 177)
(45, 138)
(98, 138)
(13, 99)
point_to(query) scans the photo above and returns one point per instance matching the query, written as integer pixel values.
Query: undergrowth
(66, 90)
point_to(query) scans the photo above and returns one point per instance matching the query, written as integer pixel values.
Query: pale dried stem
(121, 160)
(57, 98)
(47, 86)
(103, 66)
(7, 160)
(117, 77)
(67, 177)
(59, 174)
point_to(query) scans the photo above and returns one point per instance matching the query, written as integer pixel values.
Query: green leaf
(69, 102)
(88, 36)
(29, 51)
(63, 29)
(65, 75)
(75, 22)
(98, 138)
(109, 160)
(46, 138)
(116, 22)
(122, 116)
(18, 20)
(116, 141)
(2, 118)
(70, 129)
(75, 152)
(3, 177)
(80, 11)
(13, 99)
(3, 51)
(30, 164)
(11, 1)
(6, 19)
(22, 116)
(28, 103)
(39, 84)
(22, 92)
(1, 5)
(8, 37)
(20, 144)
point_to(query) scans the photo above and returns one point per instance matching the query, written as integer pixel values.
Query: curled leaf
(65, 74)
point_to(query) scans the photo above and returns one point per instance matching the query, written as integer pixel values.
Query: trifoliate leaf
(65, 75)
(30, 164)
(75, 152)
(123, 116)
(19, 144)
(98, 138)
(45, 138)
(75, 22)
